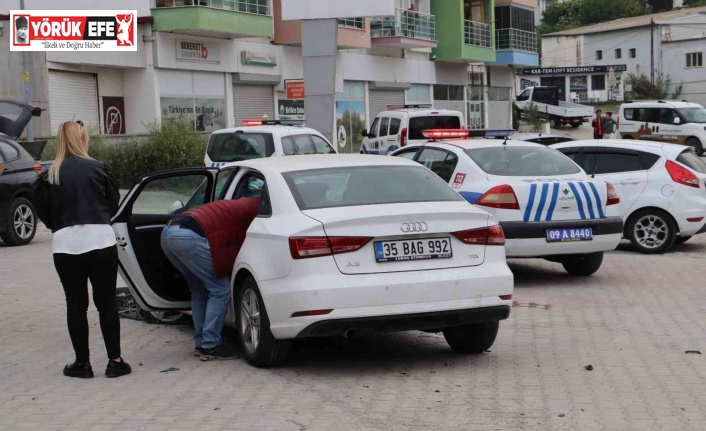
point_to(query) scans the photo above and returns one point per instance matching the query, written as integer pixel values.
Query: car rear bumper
(529, 239)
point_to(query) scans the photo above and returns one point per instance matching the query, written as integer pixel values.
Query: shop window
(598, 82)
(448, 92)
(418, 93)
(350, 117)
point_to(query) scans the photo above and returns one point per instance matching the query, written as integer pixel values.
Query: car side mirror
(364, 133)
(677, 120)
(176, 206)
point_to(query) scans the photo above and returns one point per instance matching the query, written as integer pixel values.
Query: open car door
(153, 281)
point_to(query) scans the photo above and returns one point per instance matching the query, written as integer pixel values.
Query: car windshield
(233, 147)
(367, 185)
(518, 161)
(694, 115)
(417, 125)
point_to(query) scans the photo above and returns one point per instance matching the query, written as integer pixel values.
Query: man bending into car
(202, 243)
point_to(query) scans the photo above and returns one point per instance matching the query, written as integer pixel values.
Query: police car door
(154, 283)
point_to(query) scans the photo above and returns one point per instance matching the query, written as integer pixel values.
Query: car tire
(165, 317)
(575, 125)
(651, 231)
(553, 123)
(470, 339)
(696, 145)
(682, 239)
(22, 223)
(583, 265)
(259, 347)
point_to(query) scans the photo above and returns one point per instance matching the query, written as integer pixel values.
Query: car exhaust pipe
(350, 333)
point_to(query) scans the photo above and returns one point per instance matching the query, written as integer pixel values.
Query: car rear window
(691, 160)
(419, 124)
(233, 147)
(522, 161)
(367, 185)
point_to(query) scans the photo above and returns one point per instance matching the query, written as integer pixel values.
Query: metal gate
(251, 102)
(73, 96)
(379, 99)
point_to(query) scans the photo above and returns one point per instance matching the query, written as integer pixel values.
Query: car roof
(320, 161)
(273, 129)
(525, 136)
(660, 103)
(480, 143)
(627, 143)
(421, 111)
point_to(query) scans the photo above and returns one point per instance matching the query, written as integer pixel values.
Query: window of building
(598, 82)
(356, 23)
(694, 59)
(599, 55)
(618, 53)
(350, 117)
(633, 53)
(418, 93)
(448, 92)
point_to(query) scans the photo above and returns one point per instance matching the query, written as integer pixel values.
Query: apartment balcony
(467, 33)
(404, 30)
(477, 34)
(214, 18)
(516, 47)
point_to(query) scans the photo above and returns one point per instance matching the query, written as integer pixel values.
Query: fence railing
(356, 23)
(516, 40)
(477, 34)
(405, 23)
(258, 7)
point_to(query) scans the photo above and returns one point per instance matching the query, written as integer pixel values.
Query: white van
(401, 125)
(676, 122)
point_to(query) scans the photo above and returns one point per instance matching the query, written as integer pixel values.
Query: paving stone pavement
(632, 321)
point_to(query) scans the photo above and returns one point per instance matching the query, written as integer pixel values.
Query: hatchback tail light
(499, 197)
(37, 168)
(613, 197)
(491, 235)
(682, 175)
(403, 138)
(306, 247)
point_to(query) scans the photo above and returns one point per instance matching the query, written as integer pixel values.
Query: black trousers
(101, 267)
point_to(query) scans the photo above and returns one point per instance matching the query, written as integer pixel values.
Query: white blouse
(83, 238)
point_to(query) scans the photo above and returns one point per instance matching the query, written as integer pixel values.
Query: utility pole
(25, 78)
(652, 58)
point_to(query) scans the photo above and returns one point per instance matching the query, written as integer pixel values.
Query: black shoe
(117, 369)
(77, 369)
(219, 352)
(198, 351)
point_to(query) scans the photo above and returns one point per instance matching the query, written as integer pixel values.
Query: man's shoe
(219, 352)
(117, 369)
(198, 351)
(77, 369)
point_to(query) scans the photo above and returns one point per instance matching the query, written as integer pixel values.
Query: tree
(694, 3)
(661, 5)
(575, 13)
(642, 88)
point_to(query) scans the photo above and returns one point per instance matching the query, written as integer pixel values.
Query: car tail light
(499, 197)
(306, 247)
(613, 198)
(682, 175)
(694, 219)
(491, 235)
(505, 297)
(403, 138)
(312, 313)
(37, 168)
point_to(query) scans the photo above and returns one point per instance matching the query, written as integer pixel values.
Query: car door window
(394, 126)
(322, 147)
(252, 185)
(407, 154)
(288, 146)
(571, 153)
(610, 163)
(440, 162)
(11, 153)
(384, 125)
(523, 96)
(303, 144)
(667, 115)
(373, 132)
(171, 195)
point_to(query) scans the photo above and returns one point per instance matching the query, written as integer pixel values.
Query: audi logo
(416, 226)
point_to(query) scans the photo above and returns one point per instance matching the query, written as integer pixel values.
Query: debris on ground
(127, 307)
(170, 369)
(561, 415)
(695, 352)
(589, 367)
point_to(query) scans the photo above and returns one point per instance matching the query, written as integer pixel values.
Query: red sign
(295, 89)
(458, 181)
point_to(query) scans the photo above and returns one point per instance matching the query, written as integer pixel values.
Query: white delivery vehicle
(263, 138)
(676, 122)
(557, 112)
(547, 205)
(662, 188)
(403, 125)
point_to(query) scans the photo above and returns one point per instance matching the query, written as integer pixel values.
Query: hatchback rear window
(373, 185)
(419, 124)
(522, 161)
(233, 147)
(691, 160)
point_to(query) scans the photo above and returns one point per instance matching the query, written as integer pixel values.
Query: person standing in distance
(76, 198)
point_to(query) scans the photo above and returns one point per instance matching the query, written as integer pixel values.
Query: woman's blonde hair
(72, 138)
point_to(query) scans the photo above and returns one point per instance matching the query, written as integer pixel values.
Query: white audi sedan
(343, 245)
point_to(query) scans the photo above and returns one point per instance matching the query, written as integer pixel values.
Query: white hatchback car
(662, 187)
(263, 138)
(327, 257)
(547, 206)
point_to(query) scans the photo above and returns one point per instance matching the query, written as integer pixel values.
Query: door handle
(630, 181)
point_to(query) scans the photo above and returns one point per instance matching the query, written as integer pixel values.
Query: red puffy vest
(225, 224)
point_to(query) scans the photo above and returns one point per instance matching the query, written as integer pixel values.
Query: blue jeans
(191, 255)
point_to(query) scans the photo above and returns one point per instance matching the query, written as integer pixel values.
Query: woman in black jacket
(76, 199)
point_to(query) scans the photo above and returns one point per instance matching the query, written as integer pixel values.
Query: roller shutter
(252, 102)
(379, 99)
(73, 96)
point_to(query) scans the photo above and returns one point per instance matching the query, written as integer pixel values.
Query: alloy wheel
(250, 320)
(651, 231)
(23, 220)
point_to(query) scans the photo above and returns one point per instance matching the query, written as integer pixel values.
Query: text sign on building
(295, 89)
(73, 30)
(195, 50)
(258, 59)
(566, 70)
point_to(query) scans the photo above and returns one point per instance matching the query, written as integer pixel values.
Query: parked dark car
(18, 219)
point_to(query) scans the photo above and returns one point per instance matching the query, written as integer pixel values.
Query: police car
(546, 204)
(263, 138)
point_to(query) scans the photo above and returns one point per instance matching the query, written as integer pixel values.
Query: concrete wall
(142, 6)
(111, 59)
(692, 80)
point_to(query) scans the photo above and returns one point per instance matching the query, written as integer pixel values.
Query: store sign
(258, 59)
(295, 89)
(567, 70)
(207, 114)
(202, 52)
(114, 115)
(291, 110)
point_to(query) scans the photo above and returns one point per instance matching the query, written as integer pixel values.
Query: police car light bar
(421, 105)
(446, 133)
(497, 133)
(264, 122)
